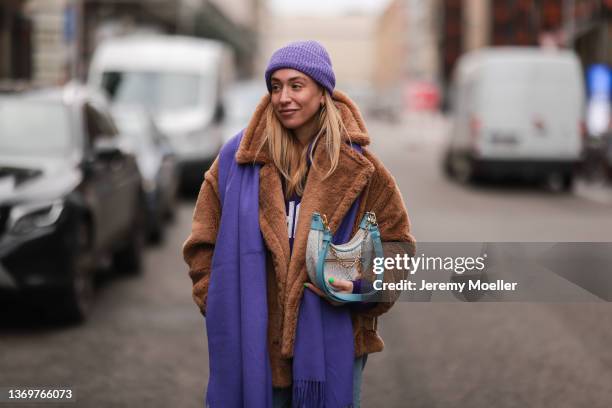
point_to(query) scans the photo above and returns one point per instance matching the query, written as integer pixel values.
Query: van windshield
(159, 92)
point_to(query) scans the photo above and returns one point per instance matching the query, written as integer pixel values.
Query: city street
(145, 344)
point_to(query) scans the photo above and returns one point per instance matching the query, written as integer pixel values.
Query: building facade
(15, 40)
(349, 39)
(48, 42)
(464, 25)
(583, 25)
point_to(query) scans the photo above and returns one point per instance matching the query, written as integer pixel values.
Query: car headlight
(25, 218)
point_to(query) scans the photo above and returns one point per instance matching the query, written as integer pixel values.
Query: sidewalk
(594, 191)
(430, 127)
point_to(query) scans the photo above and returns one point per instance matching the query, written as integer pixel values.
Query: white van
(517, 111)
(180, 80)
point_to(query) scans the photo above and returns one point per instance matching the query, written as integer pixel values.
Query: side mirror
(107, 148)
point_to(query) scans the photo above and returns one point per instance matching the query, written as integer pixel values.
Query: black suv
(70, 199)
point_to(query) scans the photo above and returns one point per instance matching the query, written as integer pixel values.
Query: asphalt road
(145, 343)
(489, 354)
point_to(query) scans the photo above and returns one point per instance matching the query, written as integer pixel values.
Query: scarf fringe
(308, 394)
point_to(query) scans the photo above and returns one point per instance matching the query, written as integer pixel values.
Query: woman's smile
(287, 113)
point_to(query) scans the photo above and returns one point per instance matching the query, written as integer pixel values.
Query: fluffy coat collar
(255, 131)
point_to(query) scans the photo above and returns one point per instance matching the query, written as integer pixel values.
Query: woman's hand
(340, 285)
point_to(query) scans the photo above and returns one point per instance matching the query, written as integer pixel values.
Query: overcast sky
(326, 7)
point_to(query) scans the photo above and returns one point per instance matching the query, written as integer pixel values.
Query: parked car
(517, 112)
(180, 80)
(156, 161)
(69, 197)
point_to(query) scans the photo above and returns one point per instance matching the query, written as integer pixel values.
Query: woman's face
(296, 98)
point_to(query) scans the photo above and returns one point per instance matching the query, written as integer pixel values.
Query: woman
(273, 339)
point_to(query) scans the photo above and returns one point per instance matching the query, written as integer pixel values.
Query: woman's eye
(297, 86)
(275, 88)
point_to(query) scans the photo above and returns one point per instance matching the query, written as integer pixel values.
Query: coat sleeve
(386, 201)
(199, 246)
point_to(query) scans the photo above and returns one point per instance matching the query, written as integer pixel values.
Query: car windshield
(34, 128)
(159, 92)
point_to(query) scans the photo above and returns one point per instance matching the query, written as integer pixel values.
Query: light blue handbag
(348, 261)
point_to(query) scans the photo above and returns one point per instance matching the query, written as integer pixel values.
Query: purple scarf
(237, 310)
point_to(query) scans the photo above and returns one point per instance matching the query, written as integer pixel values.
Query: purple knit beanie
(308, 57)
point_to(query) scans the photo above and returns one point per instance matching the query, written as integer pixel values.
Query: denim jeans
(282, 396)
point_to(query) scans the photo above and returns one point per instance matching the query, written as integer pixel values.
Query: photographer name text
(423, 285)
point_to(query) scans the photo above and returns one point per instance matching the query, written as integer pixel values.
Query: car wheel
(463, 169)
(170, 210)
(568, 182)
(447, 165)
(129, 259)
(156, 230)
(559, 182)
(75, 301)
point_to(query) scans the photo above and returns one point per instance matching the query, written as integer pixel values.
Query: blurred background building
(582, 25)
(15, 41)
(349, 40)
(406, 66)
(49, 41)
(407, 43)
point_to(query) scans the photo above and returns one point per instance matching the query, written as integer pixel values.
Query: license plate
(504, 138)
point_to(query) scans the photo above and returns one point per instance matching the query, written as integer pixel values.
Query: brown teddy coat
(356, 173)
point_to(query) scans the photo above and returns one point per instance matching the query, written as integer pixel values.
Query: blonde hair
(291, 158)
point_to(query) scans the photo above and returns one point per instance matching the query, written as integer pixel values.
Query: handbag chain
(356, 262)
